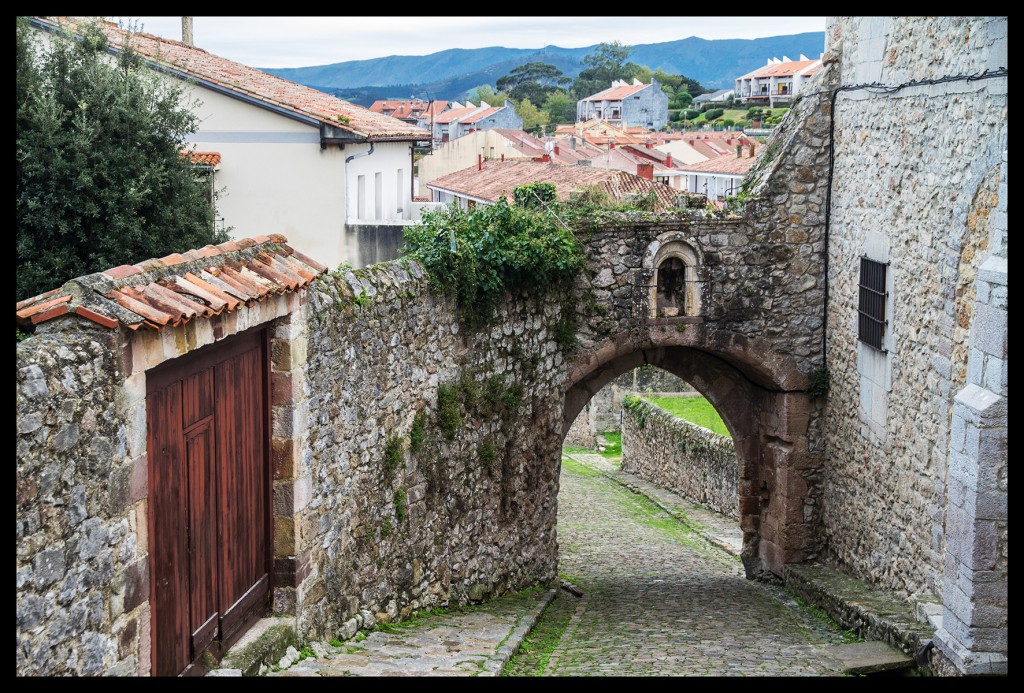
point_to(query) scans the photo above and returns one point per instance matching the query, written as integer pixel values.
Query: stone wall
(418, 501)
(694, 462)
(82, 577)
(917, 179)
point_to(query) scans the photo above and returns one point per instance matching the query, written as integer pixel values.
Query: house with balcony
(624, 104)
(777, 83)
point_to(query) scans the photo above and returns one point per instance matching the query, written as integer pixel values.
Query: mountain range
(450, 74)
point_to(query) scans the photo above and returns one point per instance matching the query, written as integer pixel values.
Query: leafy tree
(560, 108)
(101, 180)
(533, 81)
(533, 117)
(485, 92)
(606, 64)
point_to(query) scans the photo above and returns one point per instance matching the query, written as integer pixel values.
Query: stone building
(627, 104)
(916, 414)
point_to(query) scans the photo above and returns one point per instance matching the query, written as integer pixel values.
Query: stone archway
(763, 401)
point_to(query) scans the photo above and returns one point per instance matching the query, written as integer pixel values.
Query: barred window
(871, 307)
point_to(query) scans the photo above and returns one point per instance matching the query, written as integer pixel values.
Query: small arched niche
(674, 288)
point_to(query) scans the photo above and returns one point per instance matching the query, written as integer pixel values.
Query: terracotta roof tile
(211, 159)
(248, 82)
(729, 164)
(477, 117)
(616, 93)
(497, 178)
(153, 295)
(784, 69)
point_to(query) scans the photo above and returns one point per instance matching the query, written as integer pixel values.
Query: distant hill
(451, 73)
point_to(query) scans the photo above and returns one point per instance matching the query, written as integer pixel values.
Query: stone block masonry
(696, 463)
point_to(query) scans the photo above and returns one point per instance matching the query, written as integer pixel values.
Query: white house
(335, 178)
(777, 83)
(718, 178)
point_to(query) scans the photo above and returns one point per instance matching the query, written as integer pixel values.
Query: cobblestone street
(659, 600)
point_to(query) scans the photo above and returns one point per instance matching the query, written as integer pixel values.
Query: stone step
(871, 657)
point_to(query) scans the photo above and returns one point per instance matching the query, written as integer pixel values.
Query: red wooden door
(208, 495)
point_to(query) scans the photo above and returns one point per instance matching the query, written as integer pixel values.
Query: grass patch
(614, 447)
(577, 468)
(535, 651)
(696, 410)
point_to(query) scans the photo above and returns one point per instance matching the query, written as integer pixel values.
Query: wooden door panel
(243, 491)
(168, 547)
(203, 534)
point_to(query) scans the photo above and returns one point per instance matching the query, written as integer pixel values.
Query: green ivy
(418, 431)
(392, 454)
(535, 195)
(820, 381)
(497, 249)
(638, 408)
(448, 416)
(401, 505)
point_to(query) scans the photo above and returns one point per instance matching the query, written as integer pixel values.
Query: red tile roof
(453, 113)
(409, 109)
(783, 69)
(169, 291)
(497, 178)
(248, 82)
(476, 117)
(211, 159)
(728, 164)
(617, 93)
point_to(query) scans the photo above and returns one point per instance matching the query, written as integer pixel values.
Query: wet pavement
(661, 593)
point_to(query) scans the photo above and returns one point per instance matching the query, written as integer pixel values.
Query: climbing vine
(480, 256)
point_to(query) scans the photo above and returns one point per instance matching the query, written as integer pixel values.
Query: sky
(305, 41)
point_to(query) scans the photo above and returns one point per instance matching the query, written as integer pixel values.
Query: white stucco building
(335, 178)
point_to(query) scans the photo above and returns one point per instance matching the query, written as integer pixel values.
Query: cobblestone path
(658, 600)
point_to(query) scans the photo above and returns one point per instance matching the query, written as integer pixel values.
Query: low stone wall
(686, 458)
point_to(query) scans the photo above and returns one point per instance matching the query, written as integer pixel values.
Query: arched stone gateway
(763, 401)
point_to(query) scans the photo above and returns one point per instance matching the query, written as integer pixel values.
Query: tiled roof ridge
(251, 82)
(173, 289)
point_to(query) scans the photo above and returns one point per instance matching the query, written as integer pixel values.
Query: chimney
(546, 159)
(645, 171)
(556, 149)
(479, 162)
(691, 143)
(572, 142)
(502, 157)
(611, 143)
(751, 150)
(186, 31)
(739, 150)
(668, 160)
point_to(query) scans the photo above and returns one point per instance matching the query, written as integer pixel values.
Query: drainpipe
(368, 152)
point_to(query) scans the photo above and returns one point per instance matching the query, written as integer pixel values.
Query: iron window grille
(871, 306)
